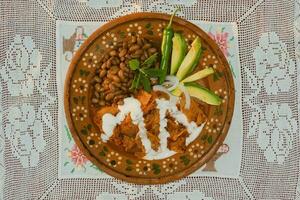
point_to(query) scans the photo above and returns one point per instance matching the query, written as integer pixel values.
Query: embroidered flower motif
(80, 85)
(77, 157)
(180, 2)
(166, 7)
(194, 195)
(138, 191)
(25, 133)
(22, 66)
(127, 8)
(273, 64)
(100, 4)
(275, 129)
(110, 196)
(221, 39)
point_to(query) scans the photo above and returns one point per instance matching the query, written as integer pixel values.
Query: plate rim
(89, 41)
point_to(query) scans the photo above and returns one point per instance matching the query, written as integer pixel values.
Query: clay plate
(107, 157)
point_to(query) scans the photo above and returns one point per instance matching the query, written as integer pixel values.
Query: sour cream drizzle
(133, 106)
(180, 117)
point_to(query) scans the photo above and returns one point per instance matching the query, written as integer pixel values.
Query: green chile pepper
(166, 49)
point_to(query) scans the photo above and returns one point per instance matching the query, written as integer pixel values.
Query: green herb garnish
(134, 64)
(145, 82)
(150, 61)
(153, 73)
(143, 72)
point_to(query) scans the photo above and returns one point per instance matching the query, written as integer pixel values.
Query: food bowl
(80, 107)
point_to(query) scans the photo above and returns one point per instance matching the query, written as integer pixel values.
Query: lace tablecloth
(258, 160)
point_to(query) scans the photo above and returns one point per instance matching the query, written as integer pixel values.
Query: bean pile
(113, 77)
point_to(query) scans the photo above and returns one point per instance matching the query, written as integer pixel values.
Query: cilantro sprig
(143, 72)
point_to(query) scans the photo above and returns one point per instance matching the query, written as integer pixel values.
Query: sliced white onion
(186, 95)
(173, 99)
(172, 82)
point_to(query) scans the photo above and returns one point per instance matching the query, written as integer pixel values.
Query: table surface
(38, 157)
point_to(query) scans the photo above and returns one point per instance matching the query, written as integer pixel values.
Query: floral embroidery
(272, 123)
(221, 39)
(77, 157)
(273, 64)
(275, 128)
(166, 191)
(75, 162)
(194, 195)
(276, 132)
(100, 4)
(134, 191)
(22, 66)
(24, 76)
(165, 7)
(127, 8)
(25, 131)
(109, 196)
(180, 2)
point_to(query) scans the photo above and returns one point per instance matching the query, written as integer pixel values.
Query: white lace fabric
(269, 51)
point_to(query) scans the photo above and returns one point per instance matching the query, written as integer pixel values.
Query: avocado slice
(202, 93)
(199, 75)
(191, 60)
(178, 52)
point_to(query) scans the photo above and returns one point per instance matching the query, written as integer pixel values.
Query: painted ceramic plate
(110, 158)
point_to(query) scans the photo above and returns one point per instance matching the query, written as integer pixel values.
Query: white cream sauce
(180, 117)
(133, 106)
